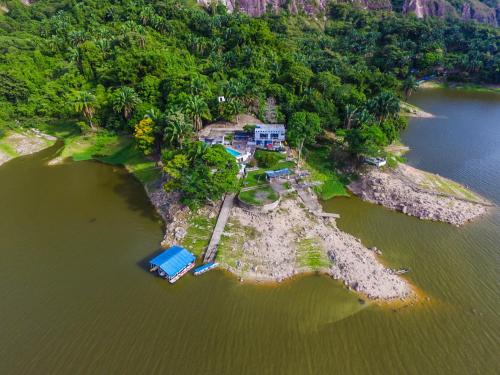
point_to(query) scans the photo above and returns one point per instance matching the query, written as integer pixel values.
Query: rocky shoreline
(291, 240)
(17, 144)
(420, 194)
(274, 246)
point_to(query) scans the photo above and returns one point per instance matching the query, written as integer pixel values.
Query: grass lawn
(110, 148)
(461, 86)
(448, 187)
(199, 232)
(254, 178)
(7, 149)
(90, 145)
(472, 87)
(311, 255)
(258, 177)
(136, 163)
(59, 129)
(259, 196)
(320, 165)
(282, 165)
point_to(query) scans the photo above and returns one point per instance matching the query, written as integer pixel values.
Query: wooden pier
(222, 219)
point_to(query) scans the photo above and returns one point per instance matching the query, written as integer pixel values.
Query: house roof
(279, 127)
(278, 173)
(173, 260)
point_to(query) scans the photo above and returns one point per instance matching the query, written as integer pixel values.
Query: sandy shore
(410, 110)
(16, 144)
(421, 194)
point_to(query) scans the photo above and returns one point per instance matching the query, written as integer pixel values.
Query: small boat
(401, 271)
(204, 268)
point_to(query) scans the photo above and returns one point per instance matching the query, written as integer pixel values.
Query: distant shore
(495, 88)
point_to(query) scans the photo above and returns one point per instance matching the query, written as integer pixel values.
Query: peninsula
(421, 194)
(238, 126)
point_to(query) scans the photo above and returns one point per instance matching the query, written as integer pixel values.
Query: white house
(270, 135)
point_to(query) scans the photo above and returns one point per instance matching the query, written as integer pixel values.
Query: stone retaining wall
(254, 208)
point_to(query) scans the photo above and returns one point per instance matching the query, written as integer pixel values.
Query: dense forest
(156, 68)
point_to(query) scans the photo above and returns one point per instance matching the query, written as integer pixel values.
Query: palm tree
(197, 150)
(147, 14)
(124, 100)
(350, 112)
(235, 89)
(233, 108)
(384, 105)
(85, 102)
(154, 115)
(77, 37)
(409, 85)
(177, 129)
(198, 85)
(196, 109)
(76, 57)
(103, 44)
(363, 117)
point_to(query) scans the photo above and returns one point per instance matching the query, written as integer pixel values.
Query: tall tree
(85, 103)
(303, 128)
(201, 173)
(144, 134)
(177, 129)
(385, 105)
(196, 109)
(408, 86)
(124, 100)
(232, 109)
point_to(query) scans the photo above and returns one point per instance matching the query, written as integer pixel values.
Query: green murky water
(75, 297)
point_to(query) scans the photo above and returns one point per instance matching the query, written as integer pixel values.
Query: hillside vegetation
(156, 69)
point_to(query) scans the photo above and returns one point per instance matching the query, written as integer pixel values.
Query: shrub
(267, 159)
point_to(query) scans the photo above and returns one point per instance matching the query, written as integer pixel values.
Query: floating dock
(204, 268)
(173, 263)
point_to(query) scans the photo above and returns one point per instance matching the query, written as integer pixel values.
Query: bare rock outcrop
(274, 246)
(421, 194)
(257, 8)
(468, 10)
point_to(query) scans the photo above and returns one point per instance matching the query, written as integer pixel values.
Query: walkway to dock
(224, 213)
(311, 202)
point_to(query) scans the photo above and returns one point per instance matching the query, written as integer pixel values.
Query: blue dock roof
(173, 260)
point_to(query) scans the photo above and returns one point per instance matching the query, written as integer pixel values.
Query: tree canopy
(170, 60)
(201, 172)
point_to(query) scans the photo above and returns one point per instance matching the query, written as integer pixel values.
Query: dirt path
(227, 127)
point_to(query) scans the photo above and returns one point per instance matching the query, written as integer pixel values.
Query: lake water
(76, 298)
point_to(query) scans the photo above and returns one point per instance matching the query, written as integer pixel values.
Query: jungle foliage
(113, 64)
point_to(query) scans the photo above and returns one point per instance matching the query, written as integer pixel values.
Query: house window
(262, 136)
(274, 135)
